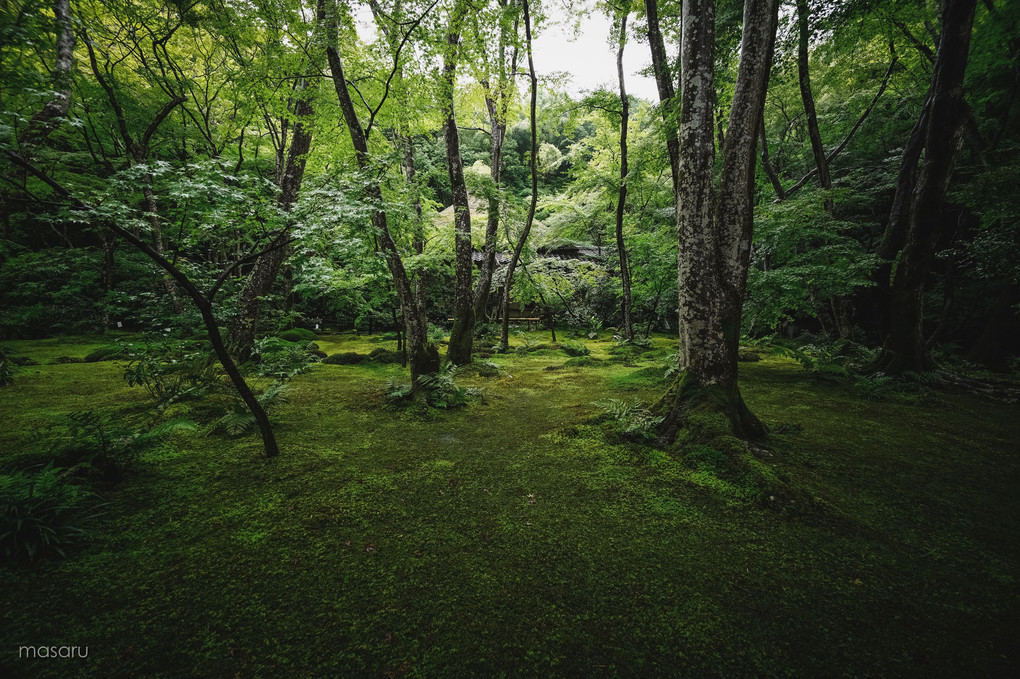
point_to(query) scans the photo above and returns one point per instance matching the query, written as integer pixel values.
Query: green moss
(516, 537)
(345, 358)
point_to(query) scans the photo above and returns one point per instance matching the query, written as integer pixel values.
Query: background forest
(370, 233)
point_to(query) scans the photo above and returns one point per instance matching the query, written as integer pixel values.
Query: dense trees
(879, 211)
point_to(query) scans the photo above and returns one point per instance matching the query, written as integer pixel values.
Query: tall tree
(621, 199)
(46, 120)
(267, 268)
(667, 92)
(522, 239)
(807, 97)
(905, 348)
(715, 223)
(423, 355)
(463, 331)
(499, 95)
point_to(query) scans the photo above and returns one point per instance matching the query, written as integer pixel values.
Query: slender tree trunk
(767, 165)
(715, 228)
(267, 268)
(497, 124)
(905, 348)
(519, 248)
(422, 354)
(418, 237)
(46, 120)
(667, 94)
(621, 200)
(804, 77)
(463, 332)
(203, 302)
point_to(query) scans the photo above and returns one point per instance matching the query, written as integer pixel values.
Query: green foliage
(575, 348)
(7, 365)
(440, 390)
(239, 419)
(280, 359)
(43, 514)
(345, 358)
(633, 420)
(98, 442)
(298, 335)
(909, 387)
(173, 370)
(803, 257)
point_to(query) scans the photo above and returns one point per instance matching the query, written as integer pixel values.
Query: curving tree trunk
(905, 348)
(804, 78)
(422, 354)
(267, 268)
(504, 336)
(715, 226)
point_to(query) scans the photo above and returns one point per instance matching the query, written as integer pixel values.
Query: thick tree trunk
(523, 238)
(621, 199)
(463, 332)
(715, 229)
(905, 348)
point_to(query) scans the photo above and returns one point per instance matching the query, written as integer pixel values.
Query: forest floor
(515, 537)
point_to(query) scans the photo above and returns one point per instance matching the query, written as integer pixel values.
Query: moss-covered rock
(345, 358)
(105, 354)
(298, 335)
(386, 356)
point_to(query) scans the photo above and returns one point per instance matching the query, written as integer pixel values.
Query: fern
(239, 420)
(631, 419)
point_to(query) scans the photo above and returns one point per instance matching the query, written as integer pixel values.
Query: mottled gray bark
(463, 331)
(715, 227)
(47, 119)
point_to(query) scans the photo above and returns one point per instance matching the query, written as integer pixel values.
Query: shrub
(43, 513)
(298, 335)
(386, 356)
(97, 442)
(172, 370)
(575, 348)
(632, 420)
(346, 358)
(7, 365)
(108, 353)
(281, 360)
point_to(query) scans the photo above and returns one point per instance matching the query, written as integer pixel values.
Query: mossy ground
(507, 539)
